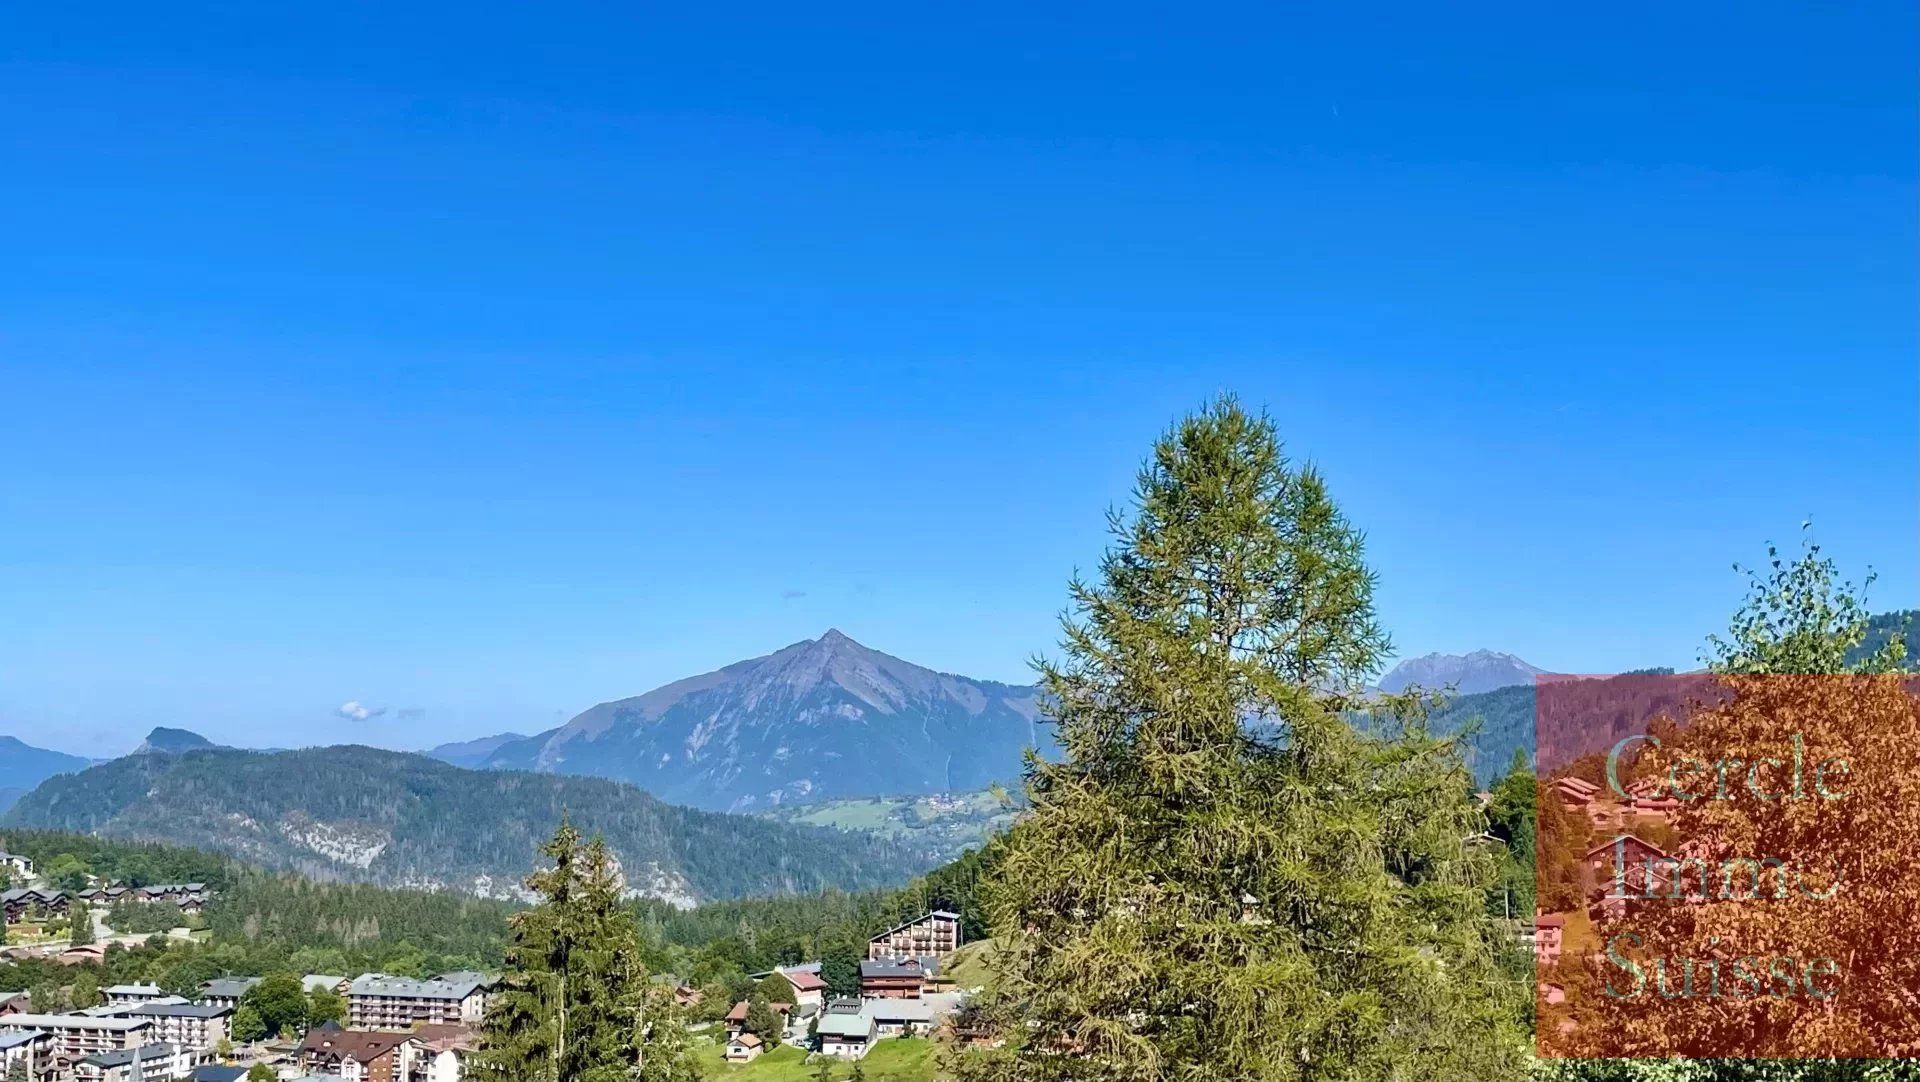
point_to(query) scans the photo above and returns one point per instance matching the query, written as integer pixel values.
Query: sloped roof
(929, 915)
(1607, 846)
(739, 1011)
(803, 981)
(898, 1010)
(846, 1025)
(910, 967)
(358, 1044)
(378, 984)
(124, 1056)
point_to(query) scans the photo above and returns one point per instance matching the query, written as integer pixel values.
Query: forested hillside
(362, 814)
(58, 854)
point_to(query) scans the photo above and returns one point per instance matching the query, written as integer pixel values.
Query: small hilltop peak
(172, 741)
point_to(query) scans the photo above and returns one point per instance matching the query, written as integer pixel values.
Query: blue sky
(481, 363)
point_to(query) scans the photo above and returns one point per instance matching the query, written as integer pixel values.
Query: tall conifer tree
(1224, 879)
(579, 1006)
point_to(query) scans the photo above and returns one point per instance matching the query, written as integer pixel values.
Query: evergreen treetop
(1223, 879)
(578, 1006)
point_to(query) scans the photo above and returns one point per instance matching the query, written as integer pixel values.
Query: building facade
(935, 935)
(353, 1055)
(189, 1025)
(79, 1035)
(906, 979)
(156, 1061)
(378, 1002)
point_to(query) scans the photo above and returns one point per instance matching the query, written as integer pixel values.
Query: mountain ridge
(23, 766)
(819, 718)
(471, 753)
(1467, 674)
(391, 818)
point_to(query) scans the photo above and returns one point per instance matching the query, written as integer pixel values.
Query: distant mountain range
(23, 766)
(822, 718)
(472, 753)
(1466, 674)
(398, 819)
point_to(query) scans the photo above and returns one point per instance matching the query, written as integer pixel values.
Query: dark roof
(357, 1044)
(911, 967)
(181, 1010)
(128, 1055)
(229, 987)
(217, 1073)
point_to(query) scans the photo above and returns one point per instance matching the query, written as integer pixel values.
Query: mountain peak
(1467, 674)
(820, 717)
(172, 741)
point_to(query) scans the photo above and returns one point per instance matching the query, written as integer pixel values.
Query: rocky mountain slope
(1467, 674)
(822, 718)
(363, 814)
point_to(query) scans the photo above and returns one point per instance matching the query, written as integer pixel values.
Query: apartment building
(154, 1061)
(77, 1035)
(379, 1002)
(189, 1025)
(932, 936)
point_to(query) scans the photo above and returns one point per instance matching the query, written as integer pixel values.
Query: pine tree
(578, 1007)
(1224, 879)
(761, 1020)
(79, 926)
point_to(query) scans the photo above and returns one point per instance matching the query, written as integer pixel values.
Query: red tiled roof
(804, 981)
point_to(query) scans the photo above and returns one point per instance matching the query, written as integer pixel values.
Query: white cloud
(354, 710)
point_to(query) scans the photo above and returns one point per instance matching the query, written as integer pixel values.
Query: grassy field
(901, 1059)
(943, 825)
(971, 965)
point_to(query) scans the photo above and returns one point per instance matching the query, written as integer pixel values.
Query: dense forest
(265, 922)
(362, 814)
(68, 858)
